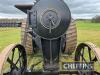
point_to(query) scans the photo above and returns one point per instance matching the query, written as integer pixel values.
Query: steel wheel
(13, 60)
(71, 38)
(87, 52)
(80, 53)
(26, 40)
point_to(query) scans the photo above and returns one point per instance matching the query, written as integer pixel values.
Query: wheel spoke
(82, 54)
(89, 50)
(11, 63)
(18, 59)
(20, 63)
(13, 54)
(83, 59)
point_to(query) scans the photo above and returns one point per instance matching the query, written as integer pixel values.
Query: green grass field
(9, 36)
(86, 31)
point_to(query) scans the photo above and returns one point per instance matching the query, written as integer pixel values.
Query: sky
(85, 9)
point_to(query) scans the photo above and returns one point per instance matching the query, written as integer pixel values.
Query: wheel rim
(15, 62)
(81, 53)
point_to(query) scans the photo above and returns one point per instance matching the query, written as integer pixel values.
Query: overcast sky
(79, 8)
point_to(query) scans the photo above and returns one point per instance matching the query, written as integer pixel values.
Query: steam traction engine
(50, 29)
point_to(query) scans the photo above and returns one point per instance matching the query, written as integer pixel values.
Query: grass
(87, 25)
(87, 32)
(9, 36)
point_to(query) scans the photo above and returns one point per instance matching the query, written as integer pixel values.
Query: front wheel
(88, 53)
(13, 60)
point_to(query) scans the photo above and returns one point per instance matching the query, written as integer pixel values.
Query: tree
(96, 19)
